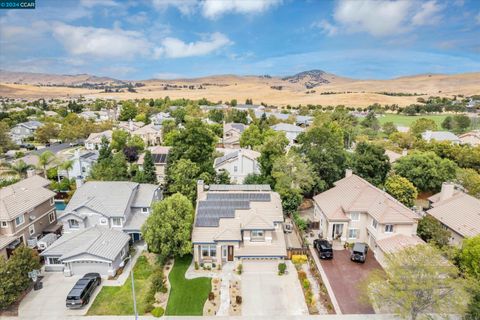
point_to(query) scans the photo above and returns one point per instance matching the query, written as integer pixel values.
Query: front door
(337, 230)
(230, 253)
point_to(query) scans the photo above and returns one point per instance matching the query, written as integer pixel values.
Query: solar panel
(159, 157)
(239, 196)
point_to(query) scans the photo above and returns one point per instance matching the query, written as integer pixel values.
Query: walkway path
(226, 275)
(120, 281)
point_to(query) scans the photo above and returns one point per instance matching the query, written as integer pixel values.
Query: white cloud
(428, 14)
(212, 9)
(381, 17)
(176, 48)
(186, 7)
(326, 27)
(100, 42)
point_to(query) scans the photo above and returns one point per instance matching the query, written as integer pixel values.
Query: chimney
(348, 173)
(30, 173)
(200, 189)
(447, 191)
(404, 152)
(78, 181)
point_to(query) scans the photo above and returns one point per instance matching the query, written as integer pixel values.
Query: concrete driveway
(265, 293)
(346, 276)
(49, 302)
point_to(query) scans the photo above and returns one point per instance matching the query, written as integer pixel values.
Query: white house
(94, 140)
(238, 163)
(291, 131)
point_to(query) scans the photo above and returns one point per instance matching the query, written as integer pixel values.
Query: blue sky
(366, 39)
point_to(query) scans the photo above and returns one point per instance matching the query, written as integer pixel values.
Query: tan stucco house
(231, 134)
(237, 222)
(356, 211)
(239, 163)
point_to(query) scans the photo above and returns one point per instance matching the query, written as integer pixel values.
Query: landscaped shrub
(157, 280)
(239, 268)
(302, 275)
(149, 308)
(299, 259)
(211, 296)
(196, 265)
(238, 299)
(306, 284)
(158, 312)
(282, 267)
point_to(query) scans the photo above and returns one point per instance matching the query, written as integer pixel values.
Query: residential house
(356, 211)
(299, 120)
(238, 163)
(231, 134)
(160, 117)
(457, 211)
(237, 222)
(97, 116)
(27, 211)
(94, 249)
(130, 125)
(82, 163)
(291, 131)
(472, 138)
(94, 140)
(151, 134)
(24, 130)
(440, 136)
(160, 156)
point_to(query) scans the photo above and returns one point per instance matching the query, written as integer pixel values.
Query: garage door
(81, 267)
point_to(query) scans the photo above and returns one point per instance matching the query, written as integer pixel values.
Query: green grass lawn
(119, 300)
(187, 297)
(406, 121)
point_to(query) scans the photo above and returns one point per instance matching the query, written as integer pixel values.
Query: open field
(406, 121)
(348, 92)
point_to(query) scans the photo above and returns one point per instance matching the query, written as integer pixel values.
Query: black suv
(359, 252)
(82, 290)
(324, 248)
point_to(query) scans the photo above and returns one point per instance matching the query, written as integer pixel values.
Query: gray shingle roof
(98, 241)
(144, 195)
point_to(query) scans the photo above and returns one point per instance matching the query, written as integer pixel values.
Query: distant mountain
(313, 78)
(55, 79)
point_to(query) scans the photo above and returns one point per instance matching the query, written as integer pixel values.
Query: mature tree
(273, 147)
(67, 165)
(425, 170)
(136, 142)
(5, 140)
(48, 131)
(461, 122)
(114, 169)
(167, 230)
(470, 180)
(196, 143)
(254, 178)
(19, 168)
(44, 159)
(404, 140)
(216, 115)
(371, 163)
(418, 281)
(119, 139)
(251, 137)
(421, 125)
(447, 123)
(469, 257)
(233, 102)
(323, 146)
(222, 177)
(401, 189)
(183, 176)
(131, 153)
(389, 128)
(128, 112)
(371, 121)
(431, 230)
(290, 171)
(237, 116)
(74, 107)
(149, 168)
(105, 150)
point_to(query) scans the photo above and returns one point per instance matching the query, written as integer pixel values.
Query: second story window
(145, 210)
(51, 217)
(355, 216)
(258, 235)
(388, 228)
(19, 220)
(4, 224)
(116, 222)
(374, 224)
(73, 224)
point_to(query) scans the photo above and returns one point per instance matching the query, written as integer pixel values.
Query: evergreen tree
(149, 168)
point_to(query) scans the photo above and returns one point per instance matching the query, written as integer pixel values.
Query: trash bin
(38, 285)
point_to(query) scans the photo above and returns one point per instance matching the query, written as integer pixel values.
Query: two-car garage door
(81, 267)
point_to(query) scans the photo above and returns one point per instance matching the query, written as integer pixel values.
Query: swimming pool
(60, 205)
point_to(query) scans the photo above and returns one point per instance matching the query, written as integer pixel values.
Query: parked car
(359, 252)
(27, 146)
(82, 291)
(324, 248)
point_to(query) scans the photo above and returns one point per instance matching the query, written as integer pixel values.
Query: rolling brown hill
(310, 87)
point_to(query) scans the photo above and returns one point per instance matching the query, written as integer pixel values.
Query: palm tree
(67, 166)
(44, 159)
(19, 168)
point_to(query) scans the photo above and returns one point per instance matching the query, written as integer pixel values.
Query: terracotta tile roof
(461, 213)
(354, 194)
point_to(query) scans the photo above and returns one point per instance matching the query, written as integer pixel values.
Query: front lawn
(118, 300)
(187, 297)
(406, 121)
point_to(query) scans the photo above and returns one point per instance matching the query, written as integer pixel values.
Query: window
(4, 224)
(52, 201)
(19, 220)
(209, 251)
(355, 216)
(257, 235)
(388, 228)
(235, 168)
(103, 221)
(51, 217)
(123, 252)
(73, 224)
(374, 224)
(145, 210)
(31, 229)
(353, 233)
(117, 222)
(53, 261)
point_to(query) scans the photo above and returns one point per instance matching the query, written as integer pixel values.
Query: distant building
(160, 157)
(82, 163)
(151, 134)
(231, 134)
(440, 136)
(24, 130)
(291, 131)
(472, 138)
(394, 156)
(160, 117)
(238, 163)
(130, 125)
